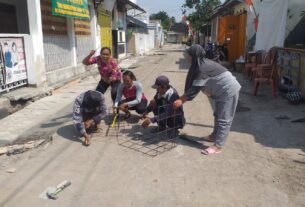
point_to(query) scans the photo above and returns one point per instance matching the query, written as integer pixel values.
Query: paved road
(263, 163)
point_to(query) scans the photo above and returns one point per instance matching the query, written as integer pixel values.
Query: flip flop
(210, 151)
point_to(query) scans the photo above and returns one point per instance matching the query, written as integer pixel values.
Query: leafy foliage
(166, 21)
(200, 11)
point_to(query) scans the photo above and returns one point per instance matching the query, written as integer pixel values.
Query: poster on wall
(71, 8)
(13, 56)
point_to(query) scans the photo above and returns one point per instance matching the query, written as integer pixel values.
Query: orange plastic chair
(249, 66)
(254, 60)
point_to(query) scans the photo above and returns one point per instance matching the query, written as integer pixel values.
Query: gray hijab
(201, 67)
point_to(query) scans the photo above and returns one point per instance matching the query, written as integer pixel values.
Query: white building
(47, 49)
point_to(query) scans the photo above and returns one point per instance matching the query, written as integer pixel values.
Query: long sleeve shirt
(221, 86)
(106, 70)
(165, 107)
(78, 113)
(134, 94)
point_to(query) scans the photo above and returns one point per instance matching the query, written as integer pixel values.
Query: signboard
(71, 8)
(13, 66)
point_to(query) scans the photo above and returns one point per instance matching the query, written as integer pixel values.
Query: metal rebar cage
(129, 133)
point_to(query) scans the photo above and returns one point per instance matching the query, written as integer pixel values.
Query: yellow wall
(105, 22)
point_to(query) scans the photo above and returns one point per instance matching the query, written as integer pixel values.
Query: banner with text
(71, 8)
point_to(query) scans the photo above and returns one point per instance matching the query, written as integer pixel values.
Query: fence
(292, 66)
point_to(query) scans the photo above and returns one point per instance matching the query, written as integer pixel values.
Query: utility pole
(198, 13)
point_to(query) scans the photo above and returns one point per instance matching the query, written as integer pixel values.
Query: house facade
(43, 42)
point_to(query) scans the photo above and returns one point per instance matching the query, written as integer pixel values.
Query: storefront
(229, 28)
(120, 28)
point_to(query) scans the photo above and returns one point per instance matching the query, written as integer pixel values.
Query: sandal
(210, 150)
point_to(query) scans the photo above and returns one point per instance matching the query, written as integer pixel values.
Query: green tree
(166, 21)
(200, 12)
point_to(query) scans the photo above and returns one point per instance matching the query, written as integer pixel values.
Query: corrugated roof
(135, 22)
(131, 5)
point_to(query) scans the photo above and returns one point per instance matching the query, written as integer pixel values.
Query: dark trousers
(139, 108)
(176, 120)
(103, 86)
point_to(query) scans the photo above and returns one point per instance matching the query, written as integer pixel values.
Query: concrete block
(26, 93)
(4, 102)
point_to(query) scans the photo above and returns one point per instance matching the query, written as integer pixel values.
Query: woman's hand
(92, 52)
(86, 59)
(146, 123)
(123, 107)
(111, 79)
(88, 123)
(178, 103)
(115, 110)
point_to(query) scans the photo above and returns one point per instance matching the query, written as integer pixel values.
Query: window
(8, 19)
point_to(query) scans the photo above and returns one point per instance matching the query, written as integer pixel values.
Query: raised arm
(189, 95)
(87, 60)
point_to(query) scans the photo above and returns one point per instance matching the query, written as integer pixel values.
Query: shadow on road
(183, 65)
(255, 115)
(191, 141)
(69, 132)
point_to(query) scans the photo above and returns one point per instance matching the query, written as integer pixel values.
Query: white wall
(144, 42)
(295, 7)
(151, 40)
(36, 66)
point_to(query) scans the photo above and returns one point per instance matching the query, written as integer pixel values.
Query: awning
(135, 22)
(130, 5)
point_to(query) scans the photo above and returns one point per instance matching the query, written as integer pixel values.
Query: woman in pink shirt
(110, 75)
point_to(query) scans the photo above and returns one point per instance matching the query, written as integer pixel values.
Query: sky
(172, 7)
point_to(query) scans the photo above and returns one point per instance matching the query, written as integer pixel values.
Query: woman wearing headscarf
(88, 110)
(218, 83)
